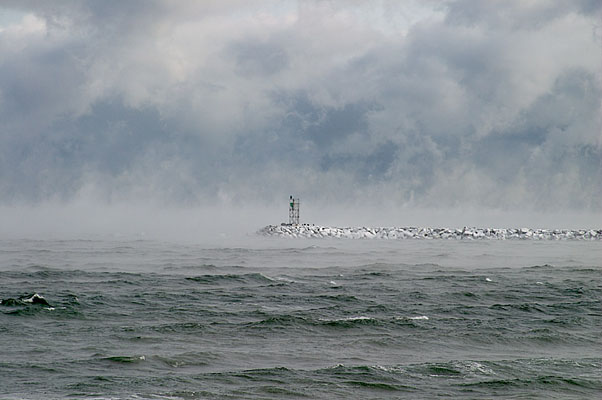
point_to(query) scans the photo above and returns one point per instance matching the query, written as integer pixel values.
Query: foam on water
(358, 318)
(421, 317)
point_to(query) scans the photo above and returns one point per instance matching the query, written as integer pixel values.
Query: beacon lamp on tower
(293, 211)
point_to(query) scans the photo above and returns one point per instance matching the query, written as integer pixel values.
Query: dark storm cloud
(325, 125)
(108, 139)
(495, 104)
(372, 166)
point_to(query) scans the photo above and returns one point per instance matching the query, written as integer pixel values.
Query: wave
(35, 299)
(179, 327)
(35, 304)
(348, 322)
(336, 381)
(421, 317)
(30, 299)
(180, 375)
(125, 359)
(339, 298)
(232, 278)
(538, 375)
(541, 383)
(288, 321)
(186, 360)
(178, 266)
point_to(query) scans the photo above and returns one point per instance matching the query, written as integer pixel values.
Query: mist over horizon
(233, 225)
(162, 119)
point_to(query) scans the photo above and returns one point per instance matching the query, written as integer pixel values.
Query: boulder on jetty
(425, 233)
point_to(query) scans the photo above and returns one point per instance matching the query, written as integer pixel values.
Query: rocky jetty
(316, 231)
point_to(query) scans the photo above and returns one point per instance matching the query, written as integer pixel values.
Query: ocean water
(270, 318)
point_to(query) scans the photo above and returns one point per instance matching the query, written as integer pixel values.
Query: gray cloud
(253, 58)
(491, 104)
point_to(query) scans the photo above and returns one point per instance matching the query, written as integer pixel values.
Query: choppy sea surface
(283, 318)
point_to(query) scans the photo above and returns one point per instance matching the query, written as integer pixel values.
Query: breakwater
(316, 231)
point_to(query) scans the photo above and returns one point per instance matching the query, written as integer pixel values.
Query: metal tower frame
(293, 211)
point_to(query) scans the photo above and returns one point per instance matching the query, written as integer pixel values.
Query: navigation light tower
(293, 211)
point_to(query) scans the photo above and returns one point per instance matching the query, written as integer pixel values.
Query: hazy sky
(492, 105)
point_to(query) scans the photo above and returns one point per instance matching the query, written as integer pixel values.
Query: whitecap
(474, 366)
(416, 318)
(33, 298)
(358, 318)
(267, 277)
(387, 368)
(487, 280)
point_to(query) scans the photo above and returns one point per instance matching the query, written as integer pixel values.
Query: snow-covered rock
(397, 233)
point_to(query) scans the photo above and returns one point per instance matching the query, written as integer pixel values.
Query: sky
(117, 113)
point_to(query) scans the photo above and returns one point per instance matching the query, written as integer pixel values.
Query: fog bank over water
(229, 225)
(170, 117)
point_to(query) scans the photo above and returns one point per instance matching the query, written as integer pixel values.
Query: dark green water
(300, 319)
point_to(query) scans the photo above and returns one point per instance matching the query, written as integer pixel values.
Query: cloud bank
(432, 104)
